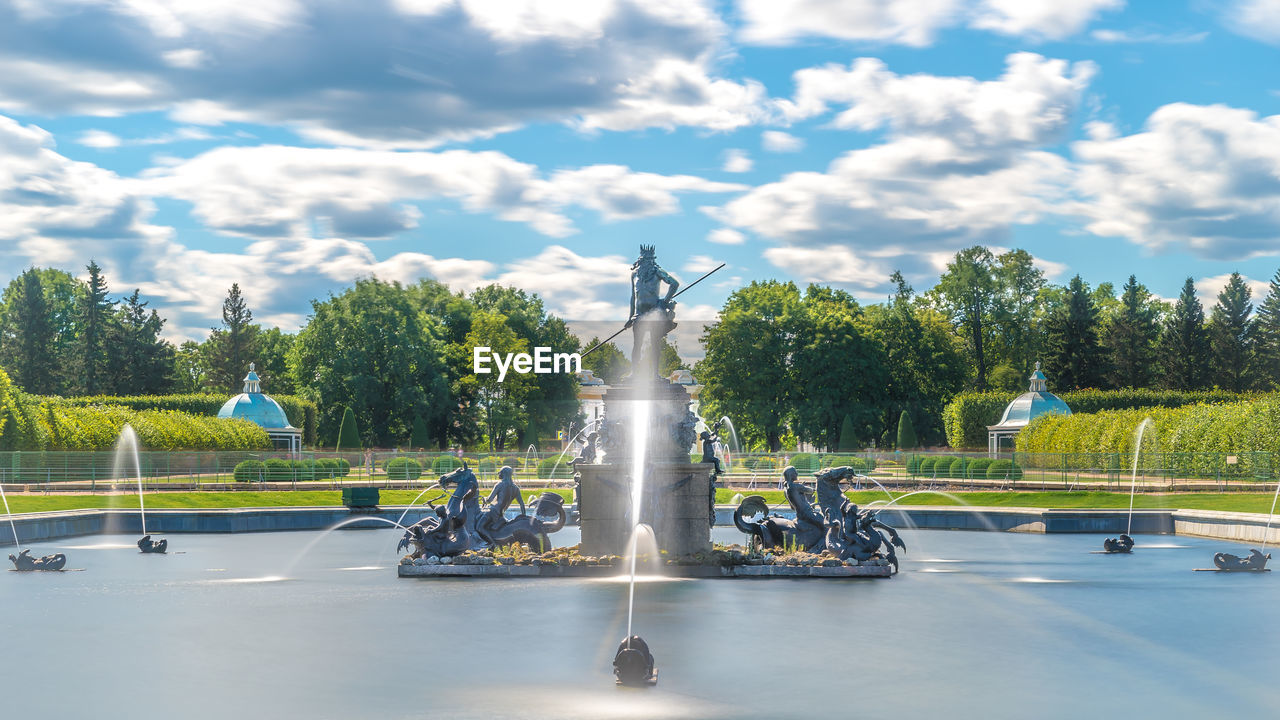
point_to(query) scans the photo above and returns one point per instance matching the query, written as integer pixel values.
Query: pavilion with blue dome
(1026, 407)
(262, 410)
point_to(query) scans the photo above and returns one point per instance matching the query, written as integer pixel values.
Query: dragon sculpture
(463, 525)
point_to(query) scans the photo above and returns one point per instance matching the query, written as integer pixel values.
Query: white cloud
(904, 22)
(780, 142)
(1258, 19)
(1203, 178)
(699, 264)
(1031, 103)
(726, 236)
(1042, 19)
(406, 74)
(1144, 36)
(274, 191)
(1207, 288)
(100, 139)
(831, 264)
(574, 285)
(737, 161)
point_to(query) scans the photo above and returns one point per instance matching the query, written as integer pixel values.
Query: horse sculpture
(146, 545)
(23, 562)
(1234, 563)
(461, 525)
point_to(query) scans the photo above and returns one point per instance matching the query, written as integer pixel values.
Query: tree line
(818, 367)
(398, 357)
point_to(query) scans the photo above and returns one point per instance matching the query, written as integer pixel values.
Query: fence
(90, 470)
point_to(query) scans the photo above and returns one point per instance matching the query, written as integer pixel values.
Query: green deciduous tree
(501, 402)
(745, 373)
(969, 294)
(1231, 332)
(1184, 343)
(1131, 338)
(1074, 359)
(273, 361)
(607, 363)
(1019, 338)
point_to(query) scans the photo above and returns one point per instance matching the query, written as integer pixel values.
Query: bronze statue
(23, 562)
(1256, 561)
(633, 665)
(806, 532)
(652, 317)
(1122, 544)
(146, 545)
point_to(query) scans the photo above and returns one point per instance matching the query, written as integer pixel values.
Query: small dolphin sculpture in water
(1227, 562)
(1122, 544)
(23, 562)
(146, 545)
(633, 665)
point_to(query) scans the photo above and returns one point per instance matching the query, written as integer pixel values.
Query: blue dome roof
(254, 406)
(1032, 404)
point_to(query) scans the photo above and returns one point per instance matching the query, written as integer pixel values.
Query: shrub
(344, 467)
(1003, 470)
(327, 468)
(562, 471)
(443, 464)
(403, 468)
(300, 411)
(278, 470)
(760, 463)
(489, 464)
(248, 471)
(805, 462)
(956, 468)
(978, 467)
(927, 463)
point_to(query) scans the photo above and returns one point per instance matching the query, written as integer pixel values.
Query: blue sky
(293, 146)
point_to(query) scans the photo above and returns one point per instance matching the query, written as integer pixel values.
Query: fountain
(1124, 543)
(1256, 561)
(23, 562)
(127, 449)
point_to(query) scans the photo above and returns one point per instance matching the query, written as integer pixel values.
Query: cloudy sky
(296, 145)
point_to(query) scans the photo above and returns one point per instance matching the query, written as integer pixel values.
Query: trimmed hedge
(249, 471)
(1192, 440)
(403, 468)
(1004, 470)
(444, 464)
(967, 416)
(19, 427)
(548, 465)
(977, 468)
(300, 411)
(69, 427)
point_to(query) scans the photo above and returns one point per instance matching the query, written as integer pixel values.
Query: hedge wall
(1192, 439)
(19, 428)
(97, 428)
(300, 411)
(967, 416)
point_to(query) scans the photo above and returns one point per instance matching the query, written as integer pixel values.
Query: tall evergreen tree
(28, 336)
(906, 432)
(348, 435)
(231, 348)
(1266, 339)
(1074, 358)
(968, 292)
(93, 321)
(1231, 331)
(141, 362)
(1184, 343)
(1131, 338)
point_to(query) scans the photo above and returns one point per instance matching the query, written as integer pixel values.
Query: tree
(93, 322)
(1231, 330)
(1266, 339)
(189, 370)
(419, 437)
(1074, 356)
(926, 361)
(848, 435)
(1131, 338)
(968, 292)
(27, 335)
(607, 362)
(372, 350)
(61, 294)
(348, 435)
(1184, 343)
(906, 432)
(745, 373)
(273, 360)
(1018, 282)
(501, 401)
(231, 348)
(141, 362)
(669, 361)
(837, 369)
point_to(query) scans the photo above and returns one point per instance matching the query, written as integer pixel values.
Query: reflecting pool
(309, 624)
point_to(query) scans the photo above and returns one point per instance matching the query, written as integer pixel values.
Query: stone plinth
(676, 505)
(681, 571)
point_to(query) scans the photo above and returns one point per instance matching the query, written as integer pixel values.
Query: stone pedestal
(676, 504)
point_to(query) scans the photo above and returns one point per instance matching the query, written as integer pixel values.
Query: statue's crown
(647, 251)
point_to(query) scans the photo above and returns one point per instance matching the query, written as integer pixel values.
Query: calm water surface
(977, 625)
